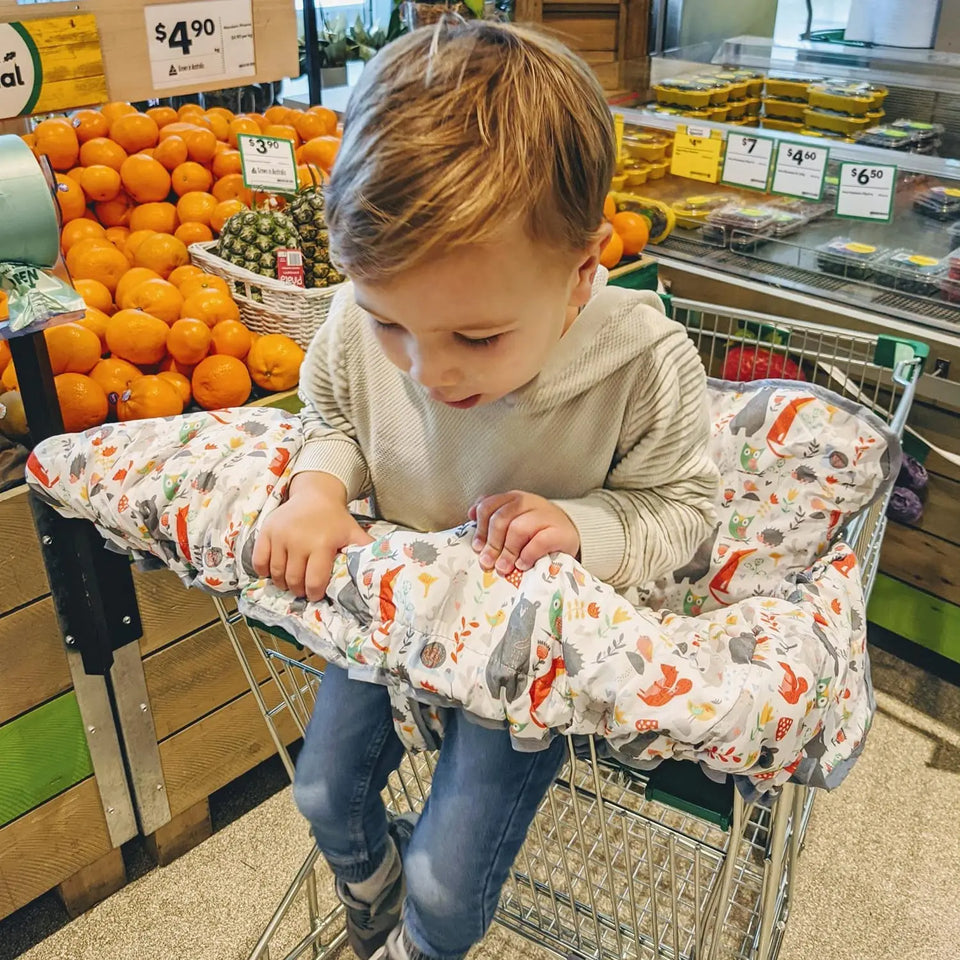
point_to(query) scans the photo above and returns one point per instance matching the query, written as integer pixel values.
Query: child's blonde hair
(458, 129)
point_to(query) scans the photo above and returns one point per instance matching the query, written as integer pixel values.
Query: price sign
(696, 154)
(865, 191)
(799, 171)
(268, 163)
(197, 42)
(747, 161)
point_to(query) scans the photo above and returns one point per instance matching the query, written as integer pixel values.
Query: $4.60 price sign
(866, 191)
(747, 161)
(799, 170)
(268, 163)
(192, 43)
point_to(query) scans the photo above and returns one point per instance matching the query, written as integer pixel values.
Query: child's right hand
(300, 539)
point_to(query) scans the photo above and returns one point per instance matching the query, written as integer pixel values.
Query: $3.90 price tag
(696, 153)
(268, 163)
(747, 161)
(866, 191)
(196, 42)
(799, 171)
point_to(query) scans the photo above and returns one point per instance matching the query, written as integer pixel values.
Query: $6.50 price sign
(747, 161)
(200, 41)
(268, 163)
(799, 170)
(866, 191)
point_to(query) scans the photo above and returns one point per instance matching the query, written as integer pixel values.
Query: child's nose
(430, 368)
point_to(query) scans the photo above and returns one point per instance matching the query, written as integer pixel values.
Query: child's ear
(587, 268)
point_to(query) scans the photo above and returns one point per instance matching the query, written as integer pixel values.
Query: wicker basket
(268, 305)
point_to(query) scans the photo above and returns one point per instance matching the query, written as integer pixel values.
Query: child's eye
(380, 325)
(481, 342)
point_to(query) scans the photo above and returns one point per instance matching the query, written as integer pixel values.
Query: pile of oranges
(154, 338)
(169, 171)
(631, 232)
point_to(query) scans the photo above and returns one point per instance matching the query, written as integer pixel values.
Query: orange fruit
(115, 213)
(221, 381)
(310, 175)
(72, 202)
(157, 297)
(224, 212)
(231, 187)
(278, 114)
(191, 177)
(329, 117)
(81, 229)
(9, 378)
(201, 144)
(137, 336)
(72, 348)
(183, 273)
(90, 124)
(58, 141)
(94, 293)
(83, 403)
(162, 116)
(101, 151)
(227, 115)
(161, 253)
(118, 236)
(181, 382)
(115, 375)
(96, 322)
(171, 152)
(97, 260)
(196, 207)
(193, 232)
(612, 252)
(634, 231)
(226, 162)
(218, 124)
(158, 217)
(322, 151)
(145, 179)
(274, 362)
(76, 173)
(231, 338)
(241, 125)
(188, 341)
(188, 108)
(609, 207)
(169, 365)
(147, 397)
(130, 281)
(5, 355)
(116, 109)
(203, 282)
(30, 139)
(100, 182)
(310, 125)
(135, 131)
(132, 245)
(210, 306)
(283, 131)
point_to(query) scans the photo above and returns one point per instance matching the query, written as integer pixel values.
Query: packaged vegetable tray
(753, 78)
(738, 86)
(645, 146)
(692, 93)
(784, 109)
(834, 121)
(772, 123)
(698, 207)
(911, 272)
(938, 203)
(844, 257)
(888, 137)
(923, 132)
(847, 96)
(787, 87)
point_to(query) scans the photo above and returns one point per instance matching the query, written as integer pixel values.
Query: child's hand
(516, 529)
(300, 539)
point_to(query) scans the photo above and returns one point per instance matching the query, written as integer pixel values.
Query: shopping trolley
(619, 864)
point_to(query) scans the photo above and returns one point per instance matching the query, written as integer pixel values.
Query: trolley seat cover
(753, 663)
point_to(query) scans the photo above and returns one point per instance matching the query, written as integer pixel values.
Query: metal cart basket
(617, 863)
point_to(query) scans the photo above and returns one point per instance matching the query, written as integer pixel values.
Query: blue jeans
(482, 800)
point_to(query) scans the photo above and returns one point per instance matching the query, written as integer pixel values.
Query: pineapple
(307, 212)
(250, 239)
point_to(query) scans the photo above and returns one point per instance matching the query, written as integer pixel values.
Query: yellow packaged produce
(826, 134)
(635, 175)
(784, 109)
(719, 114)
(745, 122)
(645, 146)
(753, 106)
(846, 96)
(821, 119)
(618, 182)
(736, 109)
(658, 169)
(738, 85)
(786, 87)
(692, 93)
(772, 123)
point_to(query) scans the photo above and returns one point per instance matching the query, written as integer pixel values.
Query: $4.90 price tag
(747, 161)
(696, 153)
(799, 171)
(268, 163)
(196, 42)
(865, 191)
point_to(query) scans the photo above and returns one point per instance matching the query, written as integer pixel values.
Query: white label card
(268, 163)
(191, 43)
(866, 191)
(747, 160)
(799, 170)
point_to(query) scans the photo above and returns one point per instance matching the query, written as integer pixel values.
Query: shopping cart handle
(899, 355)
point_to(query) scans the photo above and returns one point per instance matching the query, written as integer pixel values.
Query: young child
(475, 366)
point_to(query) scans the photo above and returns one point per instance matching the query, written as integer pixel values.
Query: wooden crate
(610, 36)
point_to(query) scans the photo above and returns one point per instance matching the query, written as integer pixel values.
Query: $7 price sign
(181, 35)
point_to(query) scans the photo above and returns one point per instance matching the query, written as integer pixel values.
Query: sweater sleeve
(330, 440)
(658, 502)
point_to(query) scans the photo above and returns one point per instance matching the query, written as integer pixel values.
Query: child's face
(480, 323)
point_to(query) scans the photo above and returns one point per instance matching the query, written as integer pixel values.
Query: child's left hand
(516, 529)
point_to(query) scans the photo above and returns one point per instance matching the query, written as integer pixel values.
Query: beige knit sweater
(613, 429)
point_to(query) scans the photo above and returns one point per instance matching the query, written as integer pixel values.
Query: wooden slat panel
(608, 74)
(594, 57)
(33, 663)
(218, 748)
(584, 33)
(51, 843)
(941, 511)
(24, 576)
(922, 560)
(168, 609)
